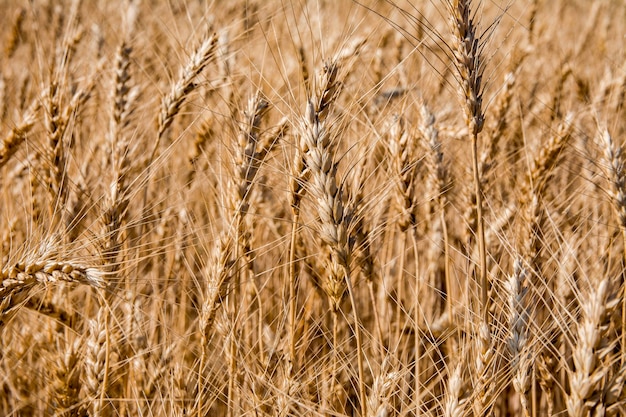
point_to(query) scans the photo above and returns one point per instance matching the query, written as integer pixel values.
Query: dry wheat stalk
(557, 96)
(157, 369)
(66, 384)
(171, 103)
(468, 55)
(286, 398)
(532, 233)
(546, 378)
(467, 52)
(542, 166)
(58, 119)
(314, 146)
(364, 253)
(498, 127)
(304, 68)
(316, 141)
(180, 383)
(614, 393)
(3, 97)
(226, 61)
(483, 366)
(217, 288)
(532, 22)
(297, 191)
(334, 218)
(439, 182)
(405, 165)
(249, 156)
(205, 133)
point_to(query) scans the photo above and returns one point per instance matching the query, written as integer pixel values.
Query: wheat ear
(66, 385)
(615, 165)
(249, 154)
(382, 390)
(519, 337)
(10, 144)
(116, 202)
(401, 146)
(15, 33)
(440, 183)
(172, 102)
(455, 402)
(18, 280)
(223, 269)
(588, 353)
(334, 218)
(405, 164)
(97, 362)
(297, 190)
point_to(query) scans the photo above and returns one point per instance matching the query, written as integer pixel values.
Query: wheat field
(312, 208)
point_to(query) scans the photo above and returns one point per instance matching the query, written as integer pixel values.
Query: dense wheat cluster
(312, 208)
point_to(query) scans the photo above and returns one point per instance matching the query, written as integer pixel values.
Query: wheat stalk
(469, 61)
(250, 155)
(405, 164)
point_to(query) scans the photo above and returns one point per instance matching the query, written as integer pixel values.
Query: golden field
(312, 208)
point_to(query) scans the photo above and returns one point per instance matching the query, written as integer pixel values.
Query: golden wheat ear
(18, 280)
